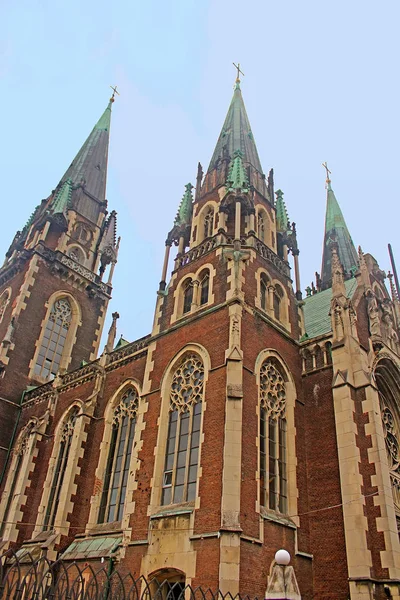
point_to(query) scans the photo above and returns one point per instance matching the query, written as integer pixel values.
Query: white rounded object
(282, 557)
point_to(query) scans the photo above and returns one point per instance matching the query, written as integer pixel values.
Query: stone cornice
(64, 264)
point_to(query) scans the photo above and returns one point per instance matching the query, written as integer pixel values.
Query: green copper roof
(62, 199)
(237, 178)
(121, 343)
(282, 219)
(185, 208)
(336, 230)
(236, 134)
(89, 166)
(316, 309)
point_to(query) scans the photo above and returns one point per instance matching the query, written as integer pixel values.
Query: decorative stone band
(218, 240)
(195, 253)
(119, 356)
(67, 261)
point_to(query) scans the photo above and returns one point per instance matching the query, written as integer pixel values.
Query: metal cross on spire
(238, 71)
(115, 91)
(325, 165)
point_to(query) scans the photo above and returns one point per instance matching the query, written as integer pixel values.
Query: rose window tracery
(61, 313)
(272, 391)
(127, 407)
(187, 384)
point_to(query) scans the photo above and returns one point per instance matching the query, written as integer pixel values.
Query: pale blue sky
(321, 83)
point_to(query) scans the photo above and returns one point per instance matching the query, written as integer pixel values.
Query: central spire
(236, 134)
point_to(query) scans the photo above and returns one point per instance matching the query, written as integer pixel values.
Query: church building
(250, 418)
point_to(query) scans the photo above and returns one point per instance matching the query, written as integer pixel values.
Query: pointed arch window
(264, 283)
(208, 223)
(273, 438)
(204, 287)
(119, 458)
(4, 300)
(54, 338)
(183, 441)
(63, 453)
(17, 467)
(261, 227)
(187, 296)
(278, 295)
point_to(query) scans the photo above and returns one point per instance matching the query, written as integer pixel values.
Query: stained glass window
(273, 438)
(54, 338)
(119, 458)
(183, 441)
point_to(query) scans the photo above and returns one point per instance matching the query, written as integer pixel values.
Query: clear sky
(321, 83)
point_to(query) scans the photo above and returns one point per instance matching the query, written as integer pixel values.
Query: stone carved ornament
(272, 391)
(187, 384)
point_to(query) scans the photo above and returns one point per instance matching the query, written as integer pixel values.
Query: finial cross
(115, 91)
(325, 165)
(238, 71)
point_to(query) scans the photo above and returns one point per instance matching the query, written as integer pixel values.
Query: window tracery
(119, 457)
(54, 339)
(273, 442)
(208, 223)
(183, 441)
(76, 254)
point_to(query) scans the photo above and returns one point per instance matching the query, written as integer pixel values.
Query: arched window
(13, 486)
(204, 287)
(328, 352)
(182, 451)
(208, 223)
(319, 357)
(187, 296)
(4, 300)
(278, 295)
(63, 453)
(388, 382)
(261, 227)
(54, 338)
(119, 458)
(308, 360)
(264, 283)
(273, 443)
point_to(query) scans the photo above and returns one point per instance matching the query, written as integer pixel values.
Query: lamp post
(282, 583)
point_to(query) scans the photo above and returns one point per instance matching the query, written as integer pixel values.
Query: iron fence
(24, 578)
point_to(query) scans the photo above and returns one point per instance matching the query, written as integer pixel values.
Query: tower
(53, 299)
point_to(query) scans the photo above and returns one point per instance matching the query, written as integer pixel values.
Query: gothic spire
(236, 134)
(89, 167)
(336, 231)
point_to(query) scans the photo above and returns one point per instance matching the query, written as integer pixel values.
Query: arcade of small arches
(316, 356)
(210, 219)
